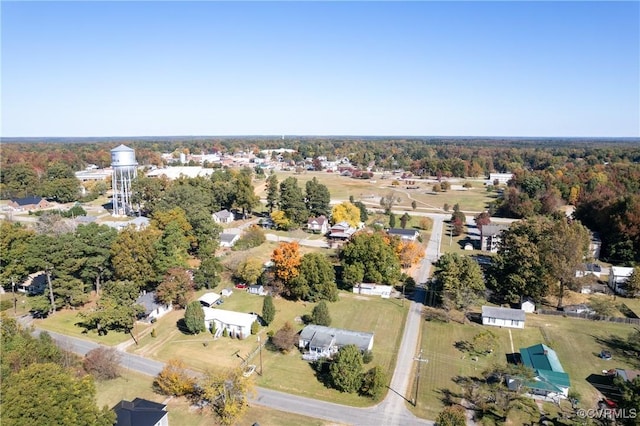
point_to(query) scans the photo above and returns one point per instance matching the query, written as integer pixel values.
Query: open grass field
(370, 190)
(132, 385)
(577, 343)
(64, 322)
(285, 372)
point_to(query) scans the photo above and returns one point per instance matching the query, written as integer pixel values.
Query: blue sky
(320, 68)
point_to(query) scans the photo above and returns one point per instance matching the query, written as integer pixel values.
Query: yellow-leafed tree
(345, 212)
(286, 261)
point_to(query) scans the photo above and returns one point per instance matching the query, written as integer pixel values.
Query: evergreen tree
(194, 317)
(292, 201)
(320, 314)
(268, 310)
(273, 192)
(318, 198)
(346, 369)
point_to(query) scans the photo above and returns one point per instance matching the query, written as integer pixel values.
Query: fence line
(592, 317)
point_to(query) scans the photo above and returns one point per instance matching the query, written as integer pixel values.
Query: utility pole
(13, 293)
(419, 359)
(260, 345)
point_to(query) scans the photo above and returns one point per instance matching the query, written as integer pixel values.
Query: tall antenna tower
(125, 170)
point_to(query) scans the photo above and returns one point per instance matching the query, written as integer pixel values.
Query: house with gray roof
(323, 342)
(404, 234)
(490, 237)
(152, 308)
(503, 317)
(223, 216)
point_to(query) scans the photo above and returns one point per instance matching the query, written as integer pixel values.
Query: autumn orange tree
(286, 261)
(409, 253)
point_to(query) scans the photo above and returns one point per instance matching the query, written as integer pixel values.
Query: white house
(618, 276)
(502, 178)
(491, 235)
(589, 269)
(257, 289)
(323, 342)
(152, 309)
(404, 234)
(503, 317)
(367, 289)
(237, 324)
(209, 299)
(318, 225)
(230, 237)
(223, 216)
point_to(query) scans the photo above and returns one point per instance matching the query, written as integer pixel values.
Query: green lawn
(132, 385)
(64, 322)
(575, 341)
(285, 372)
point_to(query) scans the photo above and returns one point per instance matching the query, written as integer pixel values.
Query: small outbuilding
(528, 306)
(368, 289)
(503, 317)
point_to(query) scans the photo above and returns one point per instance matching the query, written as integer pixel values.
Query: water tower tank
(125, 168)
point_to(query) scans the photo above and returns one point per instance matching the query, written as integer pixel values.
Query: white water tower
(125, 170)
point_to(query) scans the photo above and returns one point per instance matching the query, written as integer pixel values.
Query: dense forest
(600, 177)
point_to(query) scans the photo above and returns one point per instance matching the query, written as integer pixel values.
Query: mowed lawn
(64, 322)
(370, 190)
(134, 385)
(576, 342)
(285, 372)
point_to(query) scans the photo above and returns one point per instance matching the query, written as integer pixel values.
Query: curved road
(391, 411)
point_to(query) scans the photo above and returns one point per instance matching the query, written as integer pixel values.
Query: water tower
(125, 170)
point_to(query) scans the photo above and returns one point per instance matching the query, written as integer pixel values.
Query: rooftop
(320, 335)
(503, 313)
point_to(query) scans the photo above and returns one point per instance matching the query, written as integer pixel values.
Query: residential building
(384, 291)
(404, 234)
(229, 238)
(28, 203)
(35, 284)
(237, 324)
(618, 276)
(490, 237)
(502, 178)
(503, 317)
(257, 289)
(342, 231)
(152, 308)
(223, 216)
(323, 342)
(318, 225)
(550, 379)
(588, 269)
(141, 412)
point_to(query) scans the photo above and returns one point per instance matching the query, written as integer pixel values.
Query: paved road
(392, 411)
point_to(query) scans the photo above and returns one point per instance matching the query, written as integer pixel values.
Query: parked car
(241, 286)
(219, 302)
(606, 355)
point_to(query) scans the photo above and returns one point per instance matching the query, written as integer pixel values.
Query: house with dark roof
(404, 234)
(141, 412)
(550, 379)
(28, 203)
(503, 317)
(223, 216)
(323, 342)
(318, 225)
